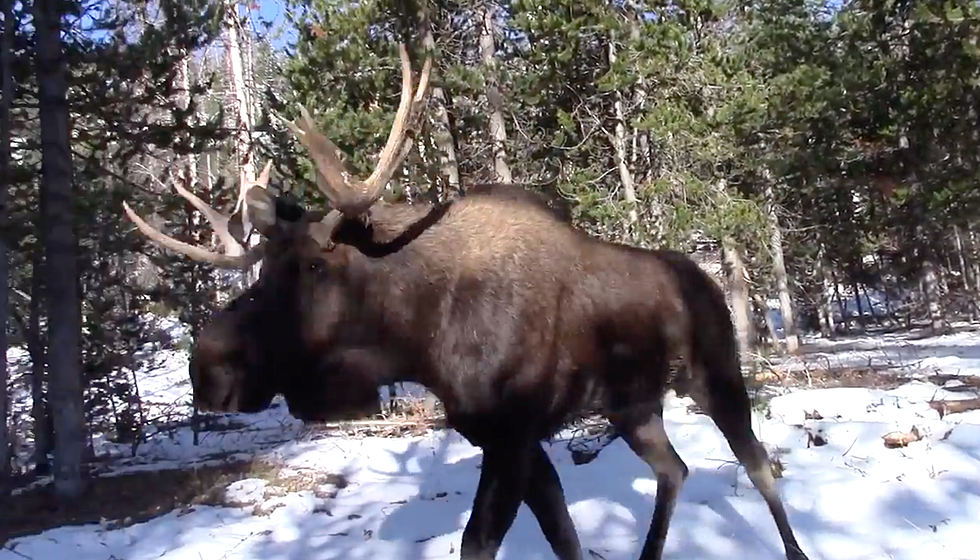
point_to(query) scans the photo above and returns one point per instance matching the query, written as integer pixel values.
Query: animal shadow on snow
(612, 517)
(927, 511)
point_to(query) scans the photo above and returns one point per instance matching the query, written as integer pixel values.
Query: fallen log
(968, 382)
(954, 406)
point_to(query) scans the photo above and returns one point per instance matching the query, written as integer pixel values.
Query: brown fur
(514, 319)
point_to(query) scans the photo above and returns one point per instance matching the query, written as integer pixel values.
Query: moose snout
(214, 389)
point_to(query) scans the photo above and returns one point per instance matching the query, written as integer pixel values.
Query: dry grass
(823, 378)
(137, 496)
(412, 417)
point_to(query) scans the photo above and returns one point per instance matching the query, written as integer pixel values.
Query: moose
(514, 318)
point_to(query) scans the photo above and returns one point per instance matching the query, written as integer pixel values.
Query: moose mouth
(207, 403)
(220, 393)
(230, 403)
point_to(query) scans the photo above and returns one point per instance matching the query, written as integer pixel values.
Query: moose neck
(398, 274)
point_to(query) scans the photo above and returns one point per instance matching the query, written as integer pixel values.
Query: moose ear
(323, 229)
(321, 233)
(261, 209)
(236, 228)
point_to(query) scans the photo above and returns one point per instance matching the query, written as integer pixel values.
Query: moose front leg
(546, 500)
(503, 483)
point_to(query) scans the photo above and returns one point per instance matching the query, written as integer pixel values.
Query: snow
(408, 498)
(951, 354)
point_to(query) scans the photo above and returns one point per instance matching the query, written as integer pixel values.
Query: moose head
(267, 340)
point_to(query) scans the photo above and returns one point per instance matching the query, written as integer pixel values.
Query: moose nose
(214, 389)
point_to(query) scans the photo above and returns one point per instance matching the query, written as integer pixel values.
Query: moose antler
(235, 255)
(349, 195)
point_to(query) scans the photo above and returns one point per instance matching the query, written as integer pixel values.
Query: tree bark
(961, 257)
(973, 258)
(6, 63)
(779, 271)
(61, 274)
(737, 279)
(763, 308)
(827, 299)
(188, 174)
(442, 136)
(930, 288)
(857, 301)
(243, 138)
(34, 337)
(236, 75)
(43, 436)
(929, 282)
(40, 410)
(974, 261)
(740, 299)
(619, 153)
(498, 130)
(640, 139)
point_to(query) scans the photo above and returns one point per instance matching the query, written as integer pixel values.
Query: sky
(275, 11)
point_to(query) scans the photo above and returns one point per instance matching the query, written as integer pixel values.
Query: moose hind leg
(729, 407)
(503, 484)
(647, 437)
(546, 500)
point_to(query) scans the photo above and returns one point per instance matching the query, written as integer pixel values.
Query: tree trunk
(975, 259)
(6, 64)
(640, 139)
(34, 337)
(738, 283)
(740, 299)
(61, 274)
(31, 331)
(824, 320)
(965, 272)
(619, 153)
(236, 75)
(40, 411)
(498, 131)
(961, 258)
(779, 272)
(845, 320)
(763, 308)
(243, 137)
(187, 174)
(857, 300)
(827, 300)
(930, 288)
(886, 288)
(442, 136)
(247, 48)
(871, 305)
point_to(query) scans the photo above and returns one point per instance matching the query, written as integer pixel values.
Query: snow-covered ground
(408, 498)
(952, 354)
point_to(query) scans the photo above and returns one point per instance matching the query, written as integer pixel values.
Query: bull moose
(513, 318)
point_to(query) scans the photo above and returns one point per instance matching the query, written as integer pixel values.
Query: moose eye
(316, 267)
